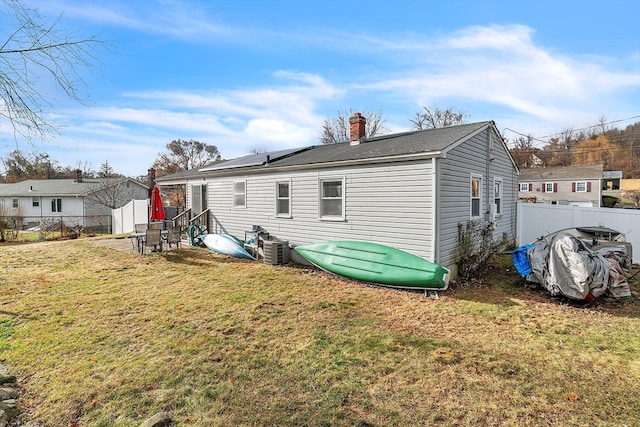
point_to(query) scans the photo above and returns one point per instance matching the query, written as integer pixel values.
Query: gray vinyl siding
(391, 204)
(473, 157)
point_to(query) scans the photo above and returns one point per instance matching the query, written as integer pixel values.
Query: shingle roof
(561, 173)
(383, 146)
(52, 187)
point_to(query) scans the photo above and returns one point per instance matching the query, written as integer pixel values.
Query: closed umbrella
(157, 211)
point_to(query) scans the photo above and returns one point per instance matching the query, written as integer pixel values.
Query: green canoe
(375, 263)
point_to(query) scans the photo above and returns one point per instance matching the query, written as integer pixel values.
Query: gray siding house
(406, 190)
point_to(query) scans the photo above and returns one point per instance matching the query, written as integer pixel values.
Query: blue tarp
(520, 260)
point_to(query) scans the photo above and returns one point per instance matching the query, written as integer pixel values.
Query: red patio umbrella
(157, 211)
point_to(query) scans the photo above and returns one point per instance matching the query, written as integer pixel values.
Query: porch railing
(202, 220)
(182, 220)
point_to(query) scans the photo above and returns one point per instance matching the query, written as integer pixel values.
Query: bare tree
(435, 117)
(184, 155)
(338, 129)
(32, 49)
(523, 151)
(111, 192)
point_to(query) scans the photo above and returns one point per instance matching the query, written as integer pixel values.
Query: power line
(568, 130)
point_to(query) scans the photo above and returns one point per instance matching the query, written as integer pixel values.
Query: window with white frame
(581, 186)
(475, 193)
(332, 198)
(549, 187)
(16, 204)
(497, 195)
(239, 194)
(524, 187)
(283, 198)
(56, 205)
(35, 202)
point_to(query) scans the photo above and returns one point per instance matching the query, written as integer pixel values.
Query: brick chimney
(357, 126)
(78, 173)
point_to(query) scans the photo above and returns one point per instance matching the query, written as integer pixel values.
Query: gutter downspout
(435, 210)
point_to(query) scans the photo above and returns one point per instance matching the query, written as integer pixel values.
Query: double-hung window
(35, 202)
(56, 205)
(549, 187)
(581, 187)
(331, 199)
(524, 186)
(283, 199)
(475, 193)
(497, 195)
(16, 203)
(240, 194)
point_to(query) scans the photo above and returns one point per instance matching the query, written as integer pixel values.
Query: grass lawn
(98, 337)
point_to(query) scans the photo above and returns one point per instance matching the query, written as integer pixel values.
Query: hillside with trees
(616, 149)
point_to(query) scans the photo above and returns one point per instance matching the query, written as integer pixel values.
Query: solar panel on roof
(251, 160)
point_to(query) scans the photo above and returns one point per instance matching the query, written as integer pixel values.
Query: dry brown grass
(103, 338)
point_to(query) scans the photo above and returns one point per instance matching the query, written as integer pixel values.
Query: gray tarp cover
(566, 266)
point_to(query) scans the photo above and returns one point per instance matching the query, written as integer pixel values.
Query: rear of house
(409, 190)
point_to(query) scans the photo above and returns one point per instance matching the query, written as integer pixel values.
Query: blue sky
(264, 75)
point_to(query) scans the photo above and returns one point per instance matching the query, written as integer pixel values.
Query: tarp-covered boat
(578, 267)
(376, 263)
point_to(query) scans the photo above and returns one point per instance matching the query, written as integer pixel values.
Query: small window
(239, 194)
(56, 205)
(476, 189)
(524, 187)
(549, 187)
(581, 187)
(283, 199)
(332, 199)
(35, 202)
(16, 204)
(497, 195)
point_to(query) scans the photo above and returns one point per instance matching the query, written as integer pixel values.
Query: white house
(408, 190)
(75, 202)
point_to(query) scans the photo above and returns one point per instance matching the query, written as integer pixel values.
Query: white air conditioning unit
(276, 252)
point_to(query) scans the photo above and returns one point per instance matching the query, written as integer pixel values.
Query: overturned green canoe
(376, 263)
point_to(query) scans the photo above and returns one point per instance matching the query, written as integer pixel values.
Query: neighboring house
(564, 185)
(76, 202)
(408, 190)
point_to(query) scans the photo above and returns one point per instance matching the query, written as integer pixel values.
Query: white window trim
(585, 186)
(344, 193)
(56, 210)
(546, 188)
(500, 196)
(244, 194)
(471, 178)
(283, 215)
(526, 186)
(15, 203)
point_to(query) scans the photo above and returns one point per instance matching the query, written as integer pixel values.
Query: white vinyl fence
(536, 220)
(125, 218)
